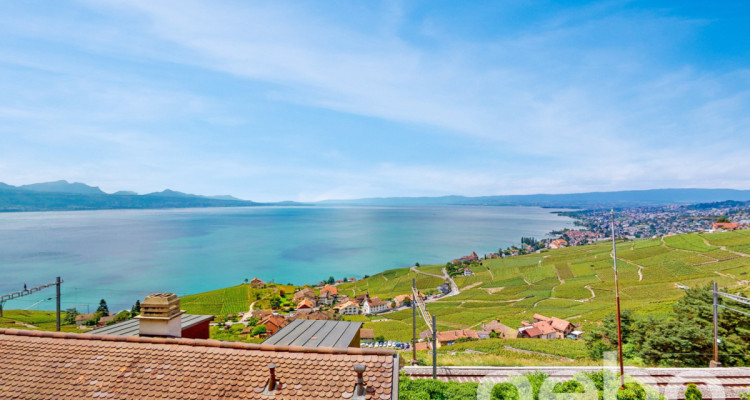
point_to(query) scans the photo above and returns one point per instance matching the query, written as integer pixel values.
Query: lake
(123, 255)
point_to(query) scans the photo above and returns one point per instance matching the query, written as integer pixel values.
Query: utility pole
(57, 284)
(434, 347)
(715, 362)
(414, 322)
(617, 301)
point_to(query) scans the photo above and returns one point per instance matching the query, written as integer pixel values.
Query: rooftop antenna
(617, 301)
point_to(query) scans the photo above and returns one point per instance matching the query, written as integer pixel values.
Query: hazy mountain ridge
(66, 196)
(625, 198)
(63, 195)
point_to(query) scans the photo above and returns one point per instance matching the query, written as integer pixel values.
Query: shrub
(692, 393)
(504, 391)
(744, 396)
(258, 330)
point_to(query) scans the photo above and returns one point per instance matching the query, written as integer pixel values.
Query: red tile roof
(58, 365)
(331, 289)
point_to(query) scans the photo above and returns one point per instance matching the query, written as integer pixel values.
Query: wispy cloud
(598, 97)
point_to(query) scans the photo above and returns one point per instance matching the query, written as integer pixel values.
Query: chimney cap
(360, 367)
(160, 305)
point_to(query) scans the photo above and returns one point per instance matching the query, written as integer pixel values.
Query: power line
(735, 310)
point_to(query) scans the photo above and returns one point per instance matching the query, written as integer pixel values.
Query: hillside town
(646, 222)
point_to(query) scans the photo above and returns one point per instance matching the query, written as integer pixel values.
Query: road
(454, 288)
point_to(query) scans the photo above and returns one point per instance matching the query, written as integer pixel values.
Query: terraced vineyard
(575, 283)
(229, 300)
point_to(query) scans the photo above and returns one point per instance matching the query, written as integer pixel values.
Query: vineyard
(576, 283)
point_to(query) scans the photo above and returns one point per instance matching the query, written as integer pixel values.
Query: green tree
(136, 309)
(275, 302)
(259, 330)
(692, 393)
(722, 220)
(331, 280)
(70, 316)
(103, 309)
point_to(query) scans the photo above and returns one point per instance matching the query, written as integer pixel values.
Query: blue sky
(339, 99)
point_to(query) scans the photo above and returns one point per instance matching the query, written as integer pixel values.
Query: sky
(313, 100)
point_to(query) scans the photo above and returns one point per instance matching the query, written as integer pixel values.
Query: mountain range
(63, 195)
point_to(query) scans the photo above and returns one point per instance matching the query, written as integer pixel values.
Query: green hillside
(575, 283)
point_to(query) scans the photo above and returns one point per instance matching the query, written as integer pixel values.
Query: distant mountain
(62, 187)
(224, 197)
(628, 198)
(64, 196)
(170, 193)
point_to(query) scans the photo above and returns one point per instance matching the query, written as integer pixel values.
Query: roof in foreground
(131, 328)
(312, 333)
(58, 365)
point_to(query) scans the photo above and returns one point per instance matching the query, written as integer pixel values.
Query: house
(366, 335)
(726, 226)
(305, 303)
(257, 283)
(492, 256)
(306, 293)
(561, 326)
(374, 305)
(273, 323)
(328, 295)
(174, 368)
(352, 279)
(558, 244)
(103, 321)
(537, 330)
(82, 318)
(444, 288)
(467, 272)
(471, 257)
(545, 328)
(360, 298)
(448, 338)
(423, 346)
(502, 331)
(348, 308)
(402, 300)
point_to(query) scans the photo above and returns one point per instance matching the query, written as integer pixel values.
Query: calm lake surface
(123, 255)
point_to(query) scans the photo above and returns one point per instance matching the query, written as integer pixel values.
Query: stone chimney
(161, 316)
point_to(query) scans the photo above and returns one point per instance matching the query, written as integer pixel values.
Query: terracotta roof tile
(44, 365)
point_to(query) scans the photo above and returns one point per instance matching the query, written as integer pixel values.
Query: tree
(103, 309)
(416, 264)
(407, 302)
(331, 280)
(722, 220)
(379, 338)
(246, 280)
(692, 393)
(259, 330)
(136, 309)
(70, 316)
(275, 302)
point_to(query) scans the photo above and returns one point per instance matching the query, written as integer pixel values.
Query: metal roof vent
(273, 383)
(360, 389)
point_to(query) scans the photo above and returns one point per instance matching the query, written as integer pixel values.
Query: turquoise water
(123, 255)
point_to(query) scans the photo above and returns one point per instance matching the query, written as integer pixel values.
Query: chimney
(161, 316)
